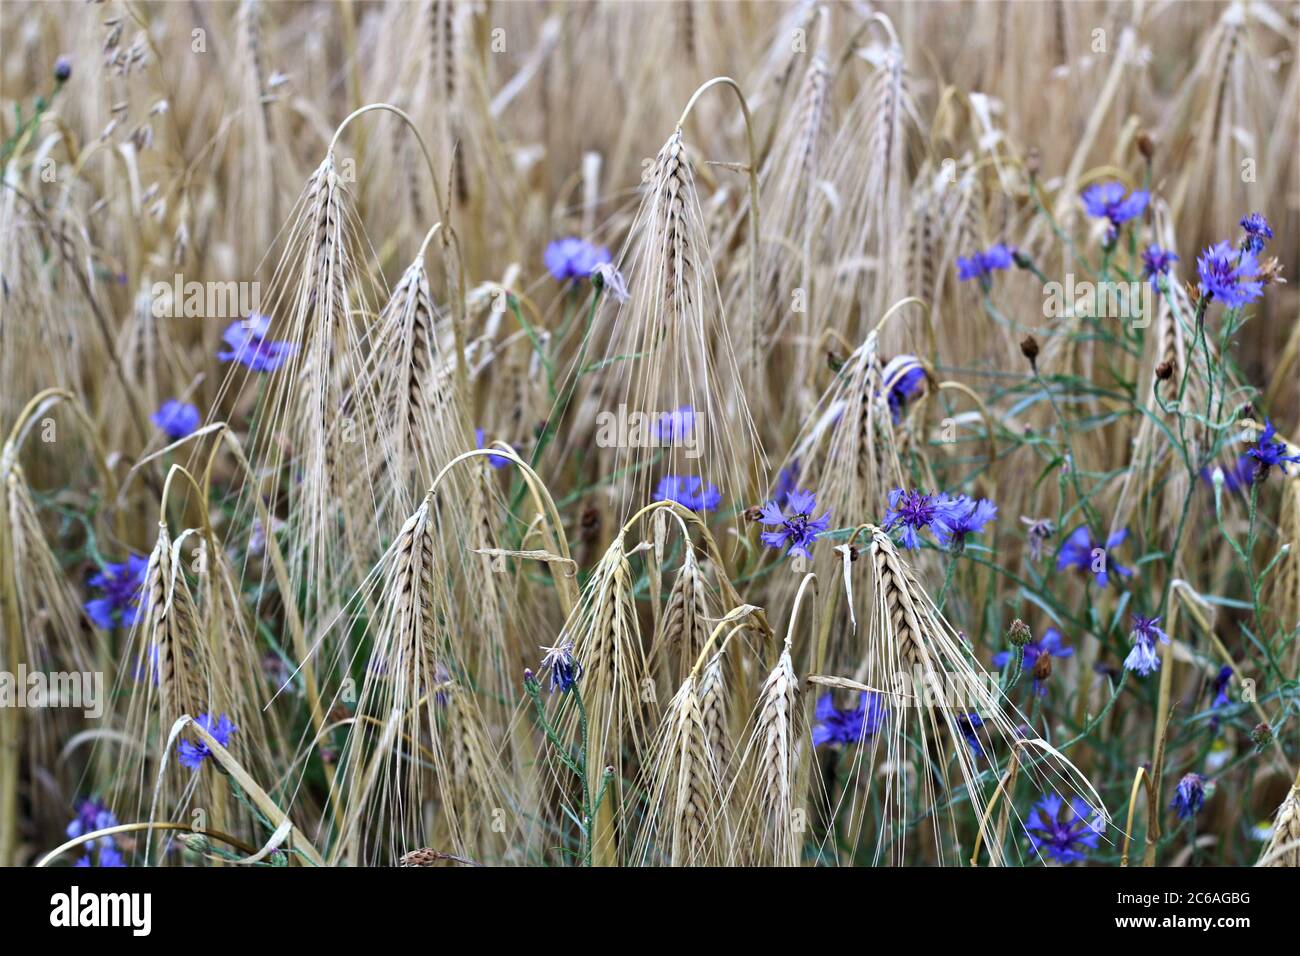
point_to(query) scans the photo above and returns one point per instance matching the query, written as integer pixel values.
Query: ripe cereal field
(640, 434)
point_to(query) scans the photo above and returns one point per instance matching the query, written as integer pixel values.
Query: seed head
(1029, 349)
(1019, 634)
(1146, 145)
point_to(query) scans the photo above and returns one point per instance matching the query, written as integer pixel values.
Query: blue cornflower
(1065, 832)
(980, 265)
(250, 347)
(192, 755)
(689, 491)
(1270, 451)
(1257, 230)
(1221, 698)
(91, 816)
(571, 258)
(796, 528)
(968, 724)
(1108, 201)
(1079, 551)
(1190, 796)
(108, 856)
(1221, 687)
(121, 585)
(496, 461)
(176, 419)
(904, 379)
(1051, 644)
(1230, 275)
(914, 511)
(964, 516)
(831, 725)
(1157, 261)
(673, 427)
(564, 667)
(1146, 634)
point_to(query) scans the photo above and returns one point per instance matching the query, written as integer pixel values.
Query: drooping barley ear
(605, 634)
(40, 628)
(1284, 844)
(669, 345)
(684, 627)
(770, 812)
(433, 760)
(686, 821)
(41, 594)
(930, 683)
(313, 417)
(715, 712)
(851, 445)
(420, 419)
(870, 159)
(473, 785)
(235, 661)
(387, 788)
(794, 208)
(170, 636)
(168, 671)
(258, 174)
(1225, 99)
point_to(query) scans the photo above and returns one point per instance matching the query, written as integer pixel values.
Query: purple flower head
(795, 527)
(1108, 201)
(831, 725)
(980, 265)
(968, 724)
(1221, 687)
(1270, 451)
(690, 491)
(121, 585)
(564, 668)
(1064, 832)
(904, 379)
(1038, 531)
(92, 815)
(1157, 261)
(109, 857)
(1146, 634)
(176, 419)
(1229, 275)
(192, 755)
(1051, 643)
(1190, 796)
(915, 511)
(496, 461)
(1077, 551)
(251, 348)
(107, 854)
(571, 258)
(964, 516)
(674, 427)
(1257, 231)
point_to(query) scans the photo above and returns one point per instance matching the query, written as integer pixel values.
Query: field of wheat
(445, 433)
